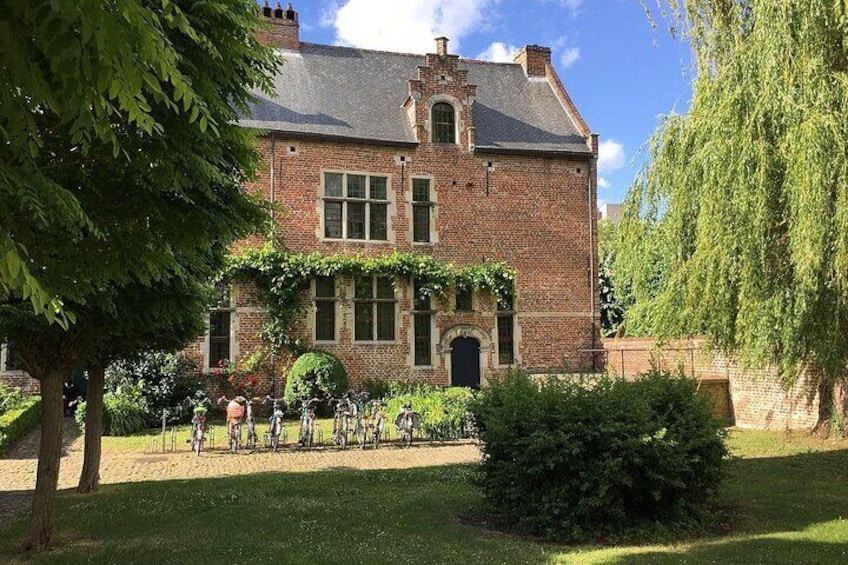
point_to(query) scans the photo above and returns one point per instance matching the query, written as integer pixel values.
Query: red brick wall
(21, 380)
(756, 397)
(534, 217)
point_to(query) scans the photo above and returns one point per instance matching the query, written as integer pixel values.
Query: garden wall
(748, 398)
(22, 381)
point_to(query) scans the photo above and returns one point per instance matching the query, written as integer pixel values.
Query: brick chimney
(534, 59)
(442, 46)
(279, 27)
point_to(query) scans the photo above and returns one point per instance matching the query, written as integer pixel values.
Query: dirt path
(18, 467)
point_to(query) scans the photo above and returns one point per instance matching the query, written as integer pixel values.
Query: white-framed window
(506, 331)
(8, 359)
(422, 210)
(325, 299)
(355, 206)
(220, 339)
(374, 309)
(422, 326)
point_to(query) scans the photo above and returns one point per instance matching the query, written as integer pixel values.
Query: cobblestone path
(18, 467)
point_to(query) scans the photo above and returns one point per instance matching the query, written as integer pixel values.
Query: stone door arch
(468, 332)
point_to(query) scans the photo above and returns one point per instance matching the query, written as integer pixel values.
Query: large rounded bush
(316, 374)
(578, 461)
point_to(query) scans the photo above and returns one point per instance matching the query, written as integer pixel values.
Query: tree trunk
(90, 476)
(49, 456)
(826, 406)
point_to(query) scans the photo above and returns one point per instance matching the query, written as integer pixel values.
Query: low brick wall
(22, 381)
(748, 398)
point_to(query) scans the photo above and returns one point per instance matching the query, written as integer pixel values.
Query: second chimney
(534, 59)
(279, 27)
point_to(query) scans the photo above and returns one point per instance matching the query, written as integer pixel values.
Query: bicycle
(407, 421)
(376, 422)
(252, 438)
(306, 434)
(341, 420)
(235, 418)
(198, 422)
(277, 428)
(359, 418)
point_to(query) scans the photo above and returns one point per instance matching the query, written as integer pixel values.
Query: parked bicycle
(235, 419)
(342, 418)
(200, 409)
(358, 417)
(306, 434)
(277, 429)
(407, 421)
(375, 422)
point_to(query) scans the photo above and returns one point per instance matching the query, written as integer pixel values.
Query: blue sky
(621, 73)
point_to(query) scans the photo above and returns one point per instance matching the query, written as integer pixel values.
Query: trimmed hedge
(594, 460)
(19, 421)
(315, 374)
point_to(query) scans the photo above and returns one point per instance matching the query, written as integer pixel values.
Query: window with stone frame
(325, 309)
(421, 210)
(11, 357)
(422, 320)
(356, 206)
(220, 323)
(374, 306)
(506, 331)
(464, 299)
(444, 123)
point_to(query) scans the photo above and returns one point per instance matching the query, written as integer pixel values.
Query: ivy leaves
(283, 277)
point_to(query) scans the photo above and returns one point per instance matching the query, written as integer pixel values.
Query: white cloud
(498, 52)
(569, 57)
(571, 6)
(610, 156)
(411, 25)
(603, 183)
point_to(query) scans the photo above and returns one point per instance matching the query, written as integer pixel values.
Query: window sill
(423, 243)
(357, 241)
(423, 367)
(323, 342)
(377, 342)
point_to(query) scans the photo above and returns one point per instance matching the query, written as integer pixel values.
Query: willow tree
(745, 200)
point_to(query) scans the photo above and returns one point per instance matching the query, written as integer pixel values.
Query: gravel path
(18, 467)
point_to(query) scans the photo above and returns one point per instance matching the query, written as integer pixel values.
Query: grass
(785, 504)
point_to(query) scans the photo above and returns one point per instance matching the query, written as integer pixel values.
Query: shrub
(18, 421)
(575, 460)
(442, 410)
(10, 397)
(125, 411)
(164, 381)
(315, 374)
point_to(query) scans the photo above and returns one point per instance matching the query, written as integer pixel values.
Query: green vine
(282, 278)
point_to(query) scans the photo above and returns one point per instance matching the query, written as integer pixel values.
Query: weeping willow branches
(745, 202)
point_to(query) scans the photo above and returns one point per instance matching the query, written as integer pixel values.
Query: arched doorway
(465, 362)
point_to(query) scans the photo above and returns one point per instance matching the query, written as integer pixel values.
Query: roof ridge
(401, 53)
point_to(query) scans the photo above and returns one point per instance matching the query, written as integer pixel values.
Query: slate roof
(341, 92)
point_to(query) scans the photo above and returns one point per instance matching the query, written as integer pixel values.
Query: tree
(157, 179)
(613, 302)
(745, 200)
(165, 317)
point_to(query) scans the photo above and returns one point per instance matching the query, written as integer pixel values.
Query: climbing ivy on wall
(282, 278)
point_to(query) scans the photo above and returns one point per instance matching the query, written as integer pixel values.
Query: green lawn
(787, 503)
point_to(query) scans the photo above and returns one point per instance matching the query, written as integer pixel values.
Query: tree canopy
(123, 168)
(745, 200)
(87, 81)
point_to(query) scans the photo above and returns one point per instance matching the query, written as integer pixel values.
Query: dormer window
(444, 123)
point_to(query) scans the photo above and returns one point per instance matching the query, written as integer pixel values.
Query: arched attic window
(444, 123)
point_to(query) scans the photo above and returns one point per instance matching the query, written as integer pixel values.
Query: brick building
(371, 152)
